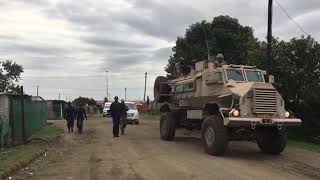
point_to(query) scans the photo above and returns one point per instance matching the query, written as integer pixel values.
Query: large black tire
(214, 136)
(272, 140)
(167, 126)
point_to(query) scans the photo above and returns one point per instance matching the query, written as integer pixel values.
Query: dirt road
(140, 154)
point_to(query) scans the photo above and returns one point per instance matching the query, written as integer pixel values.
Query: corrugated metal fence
(35, 115)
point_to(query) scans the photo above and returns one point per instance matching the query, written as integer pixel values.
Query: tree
(81, 101)
(10, 73)
(224, 34)
(296, 66)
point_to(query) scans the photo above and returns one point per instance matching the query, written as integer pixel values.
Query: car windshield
(107, 106)
(254, 76)
(235, 74)
(131, 106)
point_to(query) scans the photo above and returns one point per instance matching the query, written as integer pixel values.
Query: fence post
(22, 116)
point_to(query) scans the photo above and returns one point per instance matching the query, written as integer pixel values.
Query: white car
(106, 109)
(132, 114)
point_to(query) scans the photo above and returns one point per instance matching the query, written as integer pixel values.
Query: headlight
(287, 114)
(236, 113)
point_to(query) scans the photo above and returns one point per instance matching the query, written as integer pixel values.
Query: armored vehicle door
(214, 83)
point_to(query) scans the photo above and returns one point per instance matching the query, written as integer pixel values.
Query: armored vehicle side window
(178, 88)
(189, 86)
(215, 78)
(235, 74)
(254, 76)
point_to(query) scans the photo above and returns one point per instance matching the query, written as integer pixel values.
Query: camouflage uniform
(123, 119)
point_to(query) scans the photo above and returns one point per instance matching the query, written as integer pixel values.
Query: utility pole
(145, 86)
(59, 97)
(125, 94)
(37, 91)
(22, 115)
(269, 37)
(107, 86)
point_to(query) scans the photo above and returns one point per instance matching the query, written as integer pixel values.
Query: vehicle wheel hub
(209, 136)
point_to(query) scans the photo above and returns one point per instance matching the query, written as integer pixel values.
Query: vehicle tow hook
(279, 125)
(253, 124)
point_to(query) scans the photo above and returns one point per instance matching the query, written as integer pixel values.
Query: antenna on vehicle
(205, 35)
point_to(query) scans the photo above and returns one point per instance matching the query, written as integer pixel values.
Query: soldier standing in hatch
(115, 112)
(69, 115)
(123, 120)
(219, 61)
(80, 115)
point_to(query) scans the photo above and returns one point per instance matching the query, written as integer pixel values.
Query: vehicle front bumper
(132, 119)
(106, 113)
(238, 121)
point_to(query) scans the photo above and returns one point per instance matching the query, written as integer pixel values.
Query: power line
(82, 76)
(287, 14)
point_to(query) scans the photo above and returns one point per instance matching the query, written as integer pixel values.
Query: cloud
(126, 37)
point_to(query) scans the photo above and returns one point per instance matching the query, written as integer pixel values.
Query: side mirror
(271, 79)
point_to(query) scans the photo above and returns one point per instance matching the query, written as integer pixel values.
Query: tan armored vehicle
(227, 103)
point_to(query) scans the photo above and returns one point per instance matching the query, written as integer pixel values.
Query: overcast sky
(59, 38)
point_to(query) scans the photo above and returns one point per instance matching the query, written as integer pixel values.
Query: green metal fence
(4, 130)
(35, 114)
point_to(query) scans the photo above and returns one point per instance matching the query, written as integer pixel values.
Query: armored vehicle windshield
(244, 75)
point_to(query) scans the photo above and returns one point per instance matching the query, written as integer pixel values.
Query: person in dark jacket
(115, 112)
(123, 120)
(80, 115)
(69, 115)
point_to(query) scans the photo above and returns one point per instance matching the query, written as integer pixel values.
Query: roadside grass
(149, 117)
(304, 145)
(48, 133)
(14, 158)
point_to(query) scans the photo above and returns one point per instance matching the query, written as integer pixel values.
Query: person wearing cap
(115, 112)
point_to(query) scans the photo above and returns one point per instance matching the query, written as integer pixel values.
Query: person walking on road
(115, 111)
(123, 120)
(80, 115)
(69, 115)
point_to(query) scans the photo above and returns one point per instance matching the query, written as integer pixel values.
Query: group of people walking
(71, 114)
(118, 112)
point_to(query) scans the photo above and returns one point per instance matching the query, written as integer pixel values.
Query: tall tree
(296, 66)
(223, 35)
(10, 73)
(81, 101)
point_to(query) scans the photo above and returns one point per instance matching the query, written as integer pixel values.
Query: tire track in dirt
(141, 155)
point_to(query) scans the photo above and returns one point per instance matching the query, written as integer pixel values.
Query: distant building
(55, 109)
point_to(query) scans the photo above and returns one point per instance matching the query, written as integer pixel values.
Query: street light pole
(107, 85)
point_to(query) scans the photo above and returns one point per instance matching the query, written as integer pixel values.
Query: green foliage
(81, 101)
(305, 145)
(150, 117)
(224, 34)
(9, 74)
(296, 66)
